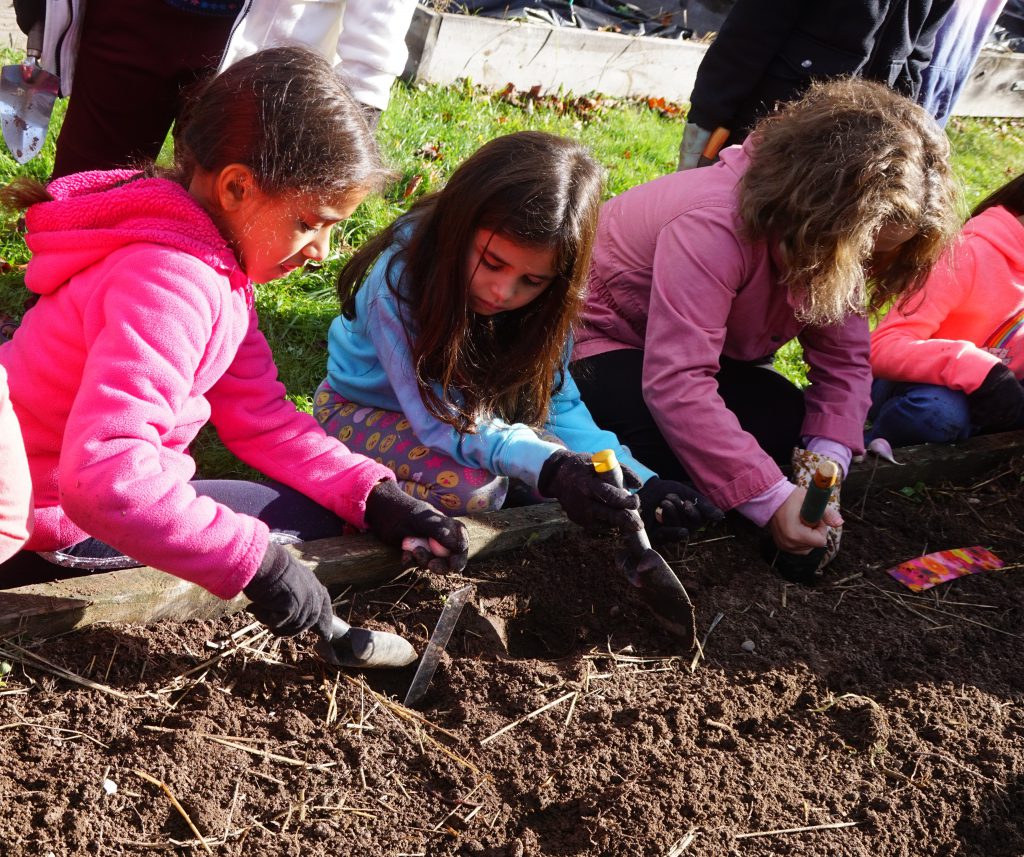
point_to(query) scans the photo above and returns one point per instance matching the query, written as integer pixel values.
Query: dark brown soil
(896, 716)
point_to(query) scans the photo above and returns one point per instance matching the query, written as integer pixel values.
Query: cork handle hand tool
(656, 583)
(803, 568)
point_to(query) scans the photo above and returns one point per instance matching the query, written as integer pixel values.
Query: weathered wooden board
(141, 595)
(934, 463)
(144, 595)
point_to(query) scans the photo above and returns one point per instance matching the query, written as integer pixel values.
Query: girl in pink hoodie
(949, 366)
(145, 329)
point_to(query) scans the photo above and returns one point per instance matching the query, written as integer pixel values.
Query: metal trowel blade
(27, 95)
(663, 594)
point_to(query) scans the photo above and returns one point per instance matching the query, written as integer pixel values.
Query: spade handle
(607, 467)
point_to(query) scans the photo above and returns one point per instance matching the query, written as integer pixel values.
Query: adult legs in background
(765, 403)
(135, 58)
(387, 437)
(905, 414)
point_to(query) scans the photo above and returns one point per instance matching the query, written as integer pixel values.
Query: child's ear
(233, 186)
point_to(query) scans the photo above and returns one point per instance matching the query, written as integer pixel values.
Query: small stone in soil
(748, 645)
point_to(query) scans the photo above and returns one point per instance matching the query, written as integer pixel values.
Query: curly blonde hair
(828, 173)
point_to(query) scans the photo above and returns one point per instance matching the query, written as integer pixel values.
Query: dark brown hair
(1010, 196)
(282, 112)
(827, 173)
(534, 188)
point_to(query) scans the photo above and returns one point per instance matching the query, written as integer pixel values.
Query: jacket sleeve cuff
(761, 508)
(840, 454)
(843, 430)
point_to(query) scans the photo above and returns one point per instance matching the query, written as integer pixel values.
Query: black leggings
(291, 516)
(765, 403)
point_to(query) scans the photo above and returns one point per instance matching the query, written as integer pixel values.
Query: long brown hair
(535, 188)
(827, 173)
(282, 112)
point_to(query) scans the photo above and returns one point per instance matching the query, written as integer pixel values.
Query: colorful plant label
(926, 571)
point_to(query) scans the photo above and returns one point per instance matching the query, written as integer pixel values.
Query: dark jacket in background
(769, 52)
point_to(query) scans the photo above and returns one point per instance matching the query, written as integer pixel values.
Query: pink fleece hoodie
(15, 483)
(145, 329)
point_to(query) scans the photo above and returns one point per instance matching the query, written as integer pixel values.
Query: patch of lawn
(426, 132)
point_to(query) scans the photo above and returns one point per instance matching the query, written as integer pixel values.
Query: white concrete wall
(493, 53)
(10, 35)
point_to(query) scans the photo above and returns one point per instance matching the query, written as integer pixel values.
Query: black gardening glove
(587, 499)
(28, 12)
(287, 597)
(997, 404)
(672, 510)
(393, 515)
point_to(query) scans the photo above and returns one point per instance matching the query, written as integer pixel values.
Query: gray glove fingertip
(670, 534)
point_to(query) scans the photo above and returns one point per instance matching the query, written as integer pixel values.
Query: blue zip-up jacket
(369, 362)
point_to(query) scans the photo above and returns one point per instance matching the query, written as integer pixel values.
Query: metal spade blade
(438, 640)
(27, 95)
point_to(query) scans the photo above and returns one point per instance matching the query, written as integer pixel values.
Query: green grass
(426, 132)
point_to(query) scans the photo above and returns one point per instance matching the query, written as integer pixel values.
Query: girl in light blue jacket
(448, 362)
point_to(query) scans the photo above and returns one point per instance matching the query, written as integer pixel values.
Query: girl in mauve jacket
(838, 203)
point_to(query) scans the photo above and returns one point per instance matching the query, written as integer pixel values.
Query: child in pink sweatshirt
(145, 329)
(949, 364)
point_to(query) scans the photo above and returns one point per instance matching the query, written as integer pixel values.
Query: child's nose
(318, 248)
(502, 288)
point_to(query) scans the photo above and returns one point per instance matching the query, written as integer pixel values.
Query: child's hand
(672, 510)
(790, 534)
(394, 516)
(587, 499)
(287, 597)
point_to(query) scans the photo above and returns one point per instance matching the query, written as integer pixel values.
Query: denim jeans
(906, 413)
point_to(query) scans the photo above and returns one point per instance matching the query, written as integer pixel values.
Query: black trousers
(136, 59)
(766, 404)
(290, 515)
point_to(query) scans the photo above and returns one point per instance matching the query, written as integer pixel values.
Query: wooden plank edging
(143, 595)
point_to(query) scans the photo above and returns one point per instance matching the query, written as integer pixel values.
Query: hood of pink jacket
(95, 213)
(1000, 227)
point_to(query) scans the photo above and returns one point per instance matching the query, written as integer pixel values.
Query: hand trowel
(655, 582)
(27, 94)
